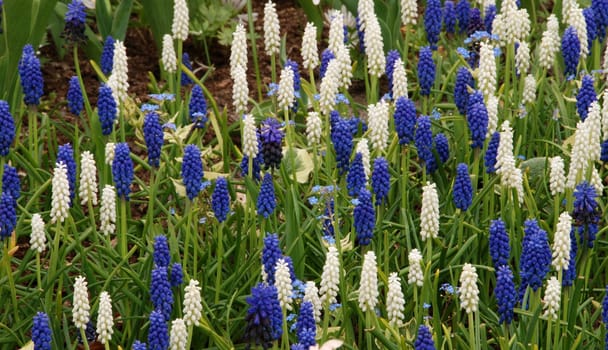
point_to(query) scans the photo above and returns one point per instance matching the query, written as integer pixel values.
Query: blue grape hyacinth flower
(306, 327)
(391, 57)
(365, 218)
(75, 18)
(158, 333)
(405, 120)
(7, 128)
(122, 170)
(154, 137)
(464, 80)
(463, 189)
(442, 147)
(161, 254)
(500, 248)
(489, 17)
(106, 109)
(41, 332)
(10, 182)
(355, 179)
(571, 50)
(107, 56)
(220, 199)
(186, 80)
(477, 118)
(264, 316)
(342, 139)
(592, 33)
(586, 212)
(30, 76)
(449, 16)
(65, 154)
(426, 71)
(463, 9)
(600, 8)
(137, 345)
(424, 143)
(271, 253)
(198, 107)
(491, 153)
(535, 260)
(271, 138)
(160, 291)
(75, 100)
(176, 277)
(432, 21)
(506, 295)
(8, 215)
(424, 339)
(585, 97)
(381, 180)
(192, 171)
(326, 57)
(266, 199)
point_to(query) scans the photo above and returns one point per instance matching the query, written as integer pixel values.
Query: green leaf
(121, 19)
(103, 13)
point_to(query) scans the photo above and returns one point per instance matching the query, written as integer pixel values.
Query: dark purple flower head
(106, 108)
(449, 16)
(271, 137)
(405, 120)
(424, 143)
(591, 26)
(586, 212)
(477, 118)
(442, 147)
(177, 275)
(391, 57)
(535, 259)
(604, 153)
(107, 56)
(122, 170)
(266, 199)
(160, 291)
(31, 76)
(295, 68)
(186, 62)
(463, 9)
(424, 339)
(600, 8)
(271, 253)
(489, 18)
(491, 153)
(506, 295)
(432, 21)
(264, 317)
(161, 254)
(198, 107)
(570, 273)
(41, 332)
(7, 128)
(326, 56)
(75, 19)
(463, 189)
(585, 97)
(360, 34)
(365, 218)
(475, 22)
(464, 80)
(342, 139)
(158, 333)
(355, 179)
(571, 50)
(153, 136)
(10, 182)
(220, 199)
(75, 100)
(605, 308)
(381, 180)
(306, 327)
(65, 154)
(426, 71)
(500, 249)
(192, 171)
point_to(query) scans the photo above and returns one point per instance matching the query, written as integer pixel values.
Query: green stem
(254, 50)
(84, 339)
(178, 95)
(472, 342)
(38, 278)
(220, 258)
(123, 228)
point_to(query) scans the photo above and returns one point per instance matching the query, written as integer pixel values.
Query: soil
(143, 58)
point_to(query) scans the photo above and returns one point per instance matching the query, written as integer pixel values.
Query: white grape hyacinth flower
(168, 54)
(238, 50)
(557, 177)
(109, 152)
(529, 94)
(310, 54)
(311, 294)
(107, 212)
(415, 275)
(60, 200)
(286, 93)
(179, 335)
(118, 80)
(330, 278)
(313, 128)
(368, 289)
(181, 20)
(250, 137)
(409, 12)
(469, 292)
(284, 284)
(399, 80)
(561, 242)
(88, 179)
(81, 308)
(378, 117)
(193, 306)
(552, 298)
(395, 302)
(105, 320)
(363, 148)
(38, 236)
(272, 29)
(240, 90)
(429, 215)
